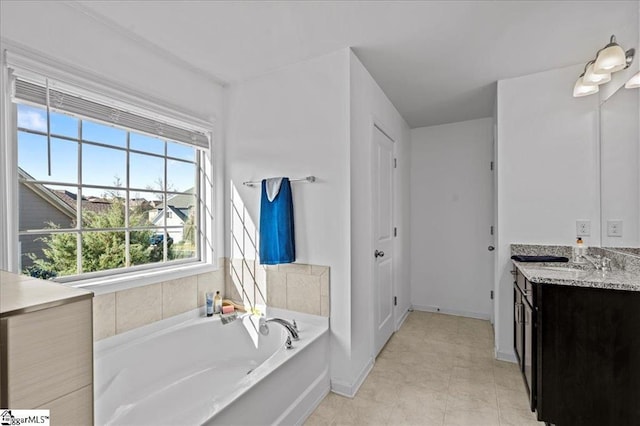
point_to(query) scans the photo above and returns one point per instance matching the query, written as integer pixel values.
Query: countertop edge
(547, 278)
(46, 305)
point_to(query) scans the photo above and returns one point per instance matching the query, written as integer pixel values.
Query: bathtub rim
(319, 327)
(180, 320)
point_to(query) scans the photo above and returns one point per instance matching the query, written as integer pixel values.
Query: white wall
(620, 153)
(547, 173)
(451, 215)
(295, 122)
(60, 32)
(316, 117)
(369, 106)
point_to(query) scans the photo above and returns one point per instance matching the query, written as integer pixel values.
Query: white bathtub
(192, 370)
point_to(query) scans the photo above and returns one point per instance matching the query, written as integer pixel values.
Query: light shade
(582, 89)
(610, 59)
(592, 78)
(634, 82)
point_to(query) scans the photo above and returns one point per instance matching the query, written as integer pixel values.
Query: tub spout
(264, 328)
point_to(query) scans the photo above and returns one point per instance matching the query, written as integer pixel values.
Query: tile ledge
(127, 281)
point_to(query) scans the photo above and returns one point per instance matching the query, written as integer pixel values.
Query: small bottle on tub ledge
(217, 303)
(209, 304)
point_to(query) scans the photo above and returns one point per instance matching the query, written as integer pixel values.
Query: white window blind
(34, 93)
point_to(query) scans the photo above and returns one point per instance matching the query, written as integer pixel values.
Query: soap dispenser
(579, 250)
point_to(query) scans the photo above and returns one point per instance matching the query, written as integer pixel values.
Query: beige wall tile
(276, 289)
(319, 270)
(233, 283)
(104, 316)
(303, 293)
(249, 283)
(325, 306)
(297, 268)
(138, 306)
(211, 281)
(180, 295)
(325, 297)
(324, 284)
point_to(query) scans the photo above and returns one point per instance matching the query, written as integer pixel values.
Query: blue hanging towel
(277, 242)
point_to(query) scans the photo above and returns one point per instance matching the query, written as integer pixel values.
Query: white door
(383, 163)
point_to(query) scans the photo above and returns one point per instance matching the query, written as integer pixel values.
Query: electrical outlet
(583, 228)
(614, 228)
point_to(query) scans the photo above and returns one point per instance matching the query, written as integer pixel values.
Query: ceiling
(437, 61)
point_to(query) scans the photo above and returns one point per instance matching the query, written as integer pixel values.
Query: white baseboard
(307, 402)
(402, 319)
(350, 389)
(468, 314)
(506, 356)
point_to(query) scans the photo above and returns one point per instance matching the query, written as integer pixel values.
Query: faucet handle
(263, 327)
(295, 325)
(606, 264)
(288, 343)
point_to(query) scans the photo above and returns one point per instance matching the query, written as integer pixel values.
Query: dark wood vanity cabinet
(523, 333)
(585, 354)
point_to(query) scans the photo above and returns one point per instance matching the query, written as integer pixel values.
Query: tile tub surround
(120, 311)
(295, 287)
(299, 287)
(436, 370)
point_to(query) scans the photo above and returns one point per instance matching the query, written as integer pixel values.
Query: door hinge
(395, 163)
(395, 300)
(491, 294)
(395, 232)
(492, 165)
(491, 229)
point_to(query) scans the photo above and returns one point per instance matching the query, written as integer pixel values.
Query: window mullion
(127, 195)
(199, 205)
(79, 223)
(165, 239)
(189, 205)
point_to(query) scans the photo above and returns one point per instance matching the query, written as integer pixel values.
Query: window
(102, 188)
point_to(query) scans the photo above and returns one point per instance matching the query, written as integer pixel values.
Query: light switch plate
(614, 228)
(583, 228)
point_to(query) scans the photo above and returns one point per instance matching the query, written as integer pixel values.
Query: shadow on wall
(295, 286)
(247, 278)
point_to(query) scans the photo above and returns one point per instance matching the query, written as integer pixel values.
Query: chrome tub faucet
(292, 328)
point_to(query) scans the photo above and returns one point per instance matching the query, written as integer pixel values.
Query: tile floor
(436, 370)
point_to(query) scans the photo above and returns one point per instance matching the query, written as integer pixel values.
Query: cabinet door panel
(49, 353)
(528, 362)
(517, 326)
(588, 369)
(74, 409)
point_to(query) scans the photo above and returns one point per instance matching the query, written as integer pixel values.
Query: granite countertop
(579, 275)
(20, 294)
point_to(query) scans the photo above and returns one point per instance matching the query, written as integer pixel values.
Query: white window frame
(35, 65)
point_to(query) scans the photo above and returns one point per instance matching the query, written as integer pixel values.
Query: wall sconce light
(634, 82)
(584, 89)
(609, 59)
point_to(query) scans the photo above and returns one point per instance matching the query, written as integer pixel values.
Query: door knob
(378, 253)
(491, 248)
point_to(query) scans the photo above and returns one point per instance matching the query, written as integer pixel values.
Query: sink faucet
(292, 329)
(595, 261)
(598, 262)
